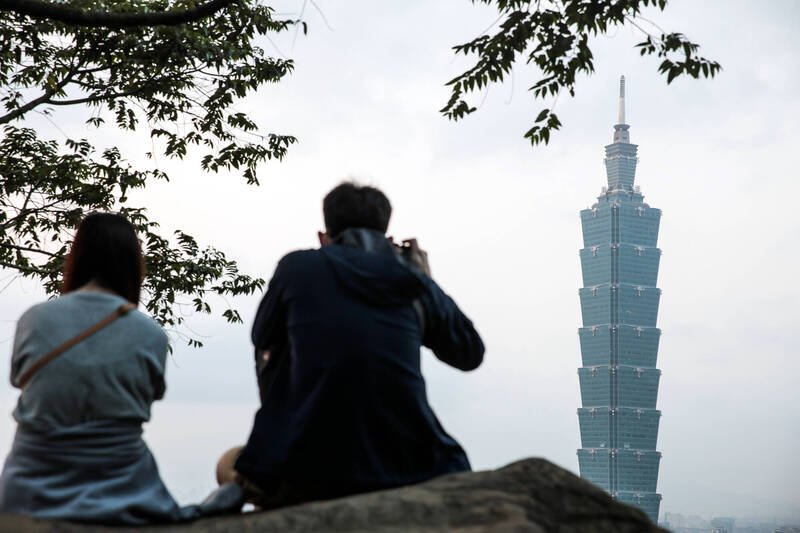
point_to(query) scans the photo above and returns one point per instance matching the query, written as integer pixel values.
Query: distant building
(722, 524)
(619, 338)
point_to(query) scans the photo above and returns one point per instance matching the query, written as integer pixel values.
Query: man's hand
(262, 359)
(416, 255)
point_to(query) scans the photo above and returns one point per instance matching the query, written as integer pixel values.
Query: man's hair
(106, 251)
(355, 206)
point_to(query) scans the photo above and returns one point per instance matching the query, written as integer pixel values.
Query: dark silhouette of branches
(76, 16)
(554, 38)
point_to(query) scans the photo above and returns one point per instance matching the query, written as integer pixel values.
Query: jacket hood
(367, 265)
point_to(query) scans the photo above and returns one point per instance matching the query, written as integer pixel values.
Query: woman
(78, 452)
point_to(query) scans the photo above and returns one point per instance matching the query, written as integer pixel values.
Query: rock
(531, 495)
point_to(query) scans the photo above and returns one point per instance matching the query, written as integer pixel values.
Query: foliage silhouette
(554, 36)
(179, 83)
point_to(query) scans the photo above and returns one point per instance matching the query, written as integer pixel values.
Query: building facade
(619, 338)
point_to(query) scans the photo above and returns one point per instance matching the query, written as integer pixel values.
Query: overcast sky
(500, 221)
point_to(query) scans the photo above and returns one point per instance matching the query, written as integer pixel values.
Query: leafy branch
(180, 83)
(76, 16)
(555, 39)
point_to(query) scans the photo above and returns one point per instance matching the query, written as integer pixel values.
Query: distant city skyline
(693, 523)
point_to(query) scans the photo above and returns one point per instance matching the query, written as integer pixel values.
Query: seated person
(78, 452)
(337, 342)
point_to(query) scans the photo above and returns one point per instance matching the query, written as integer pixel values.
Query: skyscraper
(619, 338)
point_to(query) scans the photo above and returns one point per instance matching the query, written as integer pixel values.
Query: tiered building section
(619, 337)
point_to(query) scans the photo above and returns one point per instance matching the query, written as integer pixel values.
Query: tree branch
(26, 269)
(96, 98)
(44, 98)
(29, 249)
(66, 14)
(18, 112)
(23, 211)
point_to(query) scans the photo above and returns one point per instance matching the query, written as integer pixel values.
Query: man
(337, 340)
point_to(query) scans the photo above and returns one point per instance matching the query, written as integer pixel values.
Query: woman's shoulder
(42, 311)
(94, 305)
(148, 326)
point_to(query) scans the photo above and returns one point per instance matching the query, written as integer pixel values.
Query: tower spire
(621, 154)
(621, 134)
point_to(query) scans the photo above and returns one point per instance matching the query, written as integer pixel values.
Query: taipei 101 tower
(619, 338)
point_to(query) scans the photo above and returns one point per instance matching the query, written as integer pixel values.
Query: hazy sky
(500, 221)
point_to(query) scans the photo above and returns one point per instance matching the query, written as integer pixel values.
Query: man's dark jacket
(343, 403)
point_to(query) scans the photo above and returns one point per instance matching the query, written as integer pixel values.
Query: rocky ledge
(530, 495)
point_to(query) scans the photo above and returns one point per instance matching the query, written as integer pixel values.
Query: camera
(404, 250)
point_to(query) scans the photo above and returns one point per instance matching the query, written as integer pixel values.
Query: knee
(226, 472)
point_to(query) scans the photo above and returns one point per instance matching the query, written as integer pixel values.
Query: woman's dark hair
(355, 206)
(106, 251)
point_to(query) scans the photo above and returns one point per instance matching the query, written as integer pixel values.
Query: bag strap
(122, 310)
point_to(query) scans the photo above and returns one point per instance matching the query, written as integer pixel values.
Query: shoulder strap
(122, 310)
